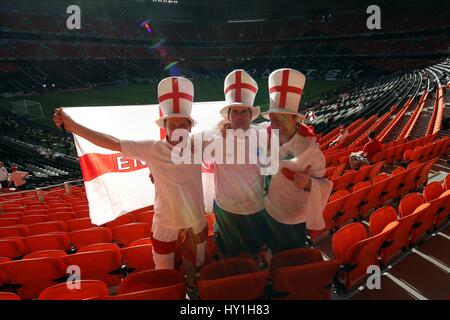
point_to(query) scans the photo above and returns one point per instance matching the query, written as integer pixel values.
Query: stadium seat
(234, 278)
(357, 251)
(140, 242)
(443, 212)
(8, 296)
(46, 227)
(49, 241)
(88, 289)
(447, 182)
(33, 219)
(103, 265)
(79, 224)
(15, 231)
(138, 258)
(8, 222)
(98, 247)
(85, 237)
(11, 215)
(127, 233)
(124, 219)
(424, 223)
(334, 209)
(30, 277)
(62, 216)
(46, 254)
(164, 284)
(302, 274)
(12, 248)
(409, 203)
(4, 260)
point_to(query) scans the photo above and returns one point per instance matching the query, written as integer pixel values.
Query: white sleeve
(140, 150)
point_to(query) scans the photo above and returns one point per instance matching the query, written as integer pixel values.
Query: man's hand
(62, 119)
(302, 180)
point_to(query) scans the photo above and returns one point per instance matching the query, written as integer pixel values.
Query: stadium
(68, 231)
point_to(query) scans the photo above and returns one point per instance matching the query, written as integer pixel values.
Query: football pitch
(205, 90)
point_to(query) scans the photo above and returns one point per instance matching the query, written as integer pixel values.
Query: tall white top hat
(285, 90)
(175, 95)
(240, 91)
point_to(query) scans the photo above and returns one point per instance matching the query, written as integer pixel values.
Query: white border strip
(405, 286)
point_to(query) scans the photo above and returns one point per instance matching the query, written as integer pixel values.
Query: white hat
(240, 91)
(175, 96)
(285, 90)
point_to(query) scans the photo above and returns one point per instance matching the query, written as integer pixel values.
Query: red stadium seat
(87, 289)
(49, 241)
(30, 277)
(140, 242)
(3, 260)
(146, 217)
(165, 284)
(8, 296)
(46, 227)
(103, 265)
(80, 224)
(15, 231)
(443, 212)
(99, 247)
(302, 274)
(82, 238)
(12, 248)
(447, 182)
(357, 251)
(127, 233)
(8, 222)
(409, 203)
(424, 223)
(236, 278)
(334, 209)
(62, 216)
(46, 254)
(138, 257)
(33, 219)
(124, 219)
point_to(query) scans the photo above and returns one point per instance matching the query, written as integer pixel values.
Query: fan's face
(173, 124)
(240, 118)
(285, 123)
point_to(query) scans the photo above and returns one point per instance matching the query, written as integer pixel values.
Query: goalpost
(29, 108)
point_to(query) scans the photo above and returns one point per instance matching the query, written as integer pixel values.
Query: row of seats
(102, 261)
(389, 232)
(344, 205)
(229, 279)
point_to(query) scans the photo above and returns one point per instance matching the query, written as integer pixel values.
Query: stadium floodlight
(31, 109)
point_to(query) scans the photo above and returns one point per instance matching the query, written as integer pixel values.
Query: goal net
(32, 109)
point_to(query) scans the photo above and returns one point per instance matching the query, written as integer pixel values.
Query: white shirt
(290, 205)
(238, 187)
(178, 188)
(3, 174)
(18, 177)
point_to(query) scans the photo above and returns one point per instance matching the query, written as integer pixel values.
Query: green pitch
(205, 90)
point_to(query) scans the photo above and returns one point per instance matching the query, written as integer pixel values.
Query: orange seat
(434, 193)
(334, 209)
(30, 277)
(13, 248)
(409, 203)
(447, 182)
(79, 224)
(103, 265)
(357, 250)
(167, 284)
(146, 217)
(8, 296)
(124, 219)
(46, 227)
(235, 278)
(85, 237)
(127, 233)
(33, 219)
(8, 222)
(49, 241)
(302, 274)
(62, 216)
(19, 230)
(140, 241)
(424, 223)
(442, 207)
(99, 247)
(46, 254)
(87, 289)
(138, 257)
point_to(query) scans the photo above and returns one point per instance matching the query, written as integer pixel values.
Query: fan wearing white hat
(298, 192)
(238, 198)
(179, 206)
